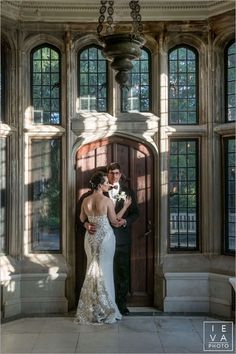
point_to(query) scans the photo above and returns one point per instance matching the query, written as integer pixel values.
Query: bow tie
(114, 187)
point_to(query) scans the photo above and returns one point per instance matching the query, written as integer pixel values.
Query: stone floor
(142, 332)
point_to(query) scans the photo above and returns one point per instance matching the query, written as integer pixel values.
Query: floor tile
(60, 325)
(26, 325)
(138, 325)
(100, 342)
(18, 342)
(56, 343)
(136, 343)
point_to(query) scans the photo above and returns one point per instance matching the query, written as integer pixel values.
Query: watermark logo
(217, 336)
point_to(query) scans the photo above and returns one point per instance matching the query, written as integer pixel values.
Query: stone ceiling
(88, 10)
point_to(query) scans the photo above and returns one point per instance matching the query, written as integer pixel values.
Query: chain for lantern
(135, 9)
(109, 19)
(109, 11)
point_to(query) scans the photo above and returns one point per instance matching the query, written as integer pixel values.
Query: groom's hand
(91, 228)
(120, 222)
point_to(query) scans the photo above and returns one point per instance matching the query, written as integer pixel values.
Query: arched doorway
(136, 162)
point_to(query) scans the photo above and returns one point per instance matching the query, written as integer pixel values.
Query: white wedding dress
(97, 297)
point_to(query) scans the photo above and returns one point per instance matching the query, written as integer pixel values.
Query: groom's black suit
(123, 246)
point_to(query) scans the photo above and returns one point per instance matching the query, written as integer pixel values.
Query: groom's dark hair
(113, 166)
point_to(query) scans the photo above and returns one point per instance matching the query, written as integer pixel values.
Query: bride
(97, 297)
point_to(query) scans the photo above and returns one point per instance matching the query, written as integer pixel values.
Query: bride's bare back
(96, 204)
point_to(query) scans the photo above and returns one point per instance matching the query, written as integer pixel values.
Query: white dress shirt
(114, 192)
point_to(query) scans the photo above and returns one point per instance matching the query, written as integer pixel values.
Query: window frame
(195, 51)
(46, 45)
(186, 250)
(87, 47)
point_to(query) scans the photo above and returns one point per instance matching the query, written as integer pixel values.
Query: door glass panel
(46, 195)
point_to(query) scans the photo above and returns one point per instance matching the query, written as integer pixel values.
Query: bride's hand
(127, 201)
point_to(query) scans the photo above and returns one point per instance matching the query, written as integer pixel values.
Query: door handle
(149, 228)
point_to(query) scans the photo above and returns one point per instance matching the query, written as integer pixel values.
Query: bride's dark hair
(96, 179)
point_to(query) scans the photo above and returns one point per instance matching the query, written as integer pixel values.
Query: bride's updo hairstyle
(96, 179)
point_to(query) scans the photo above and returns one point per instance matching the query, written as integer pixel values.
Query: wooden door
(136, 162)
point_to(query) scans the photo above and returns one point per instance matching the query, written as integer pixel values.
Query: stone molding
(72, 11)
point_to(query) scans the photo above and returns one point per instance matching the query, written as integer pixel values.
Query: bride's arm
(127, 203)
(112, 215)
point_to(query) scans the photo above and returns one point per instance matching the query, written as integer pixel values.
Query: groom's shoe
(125, 311)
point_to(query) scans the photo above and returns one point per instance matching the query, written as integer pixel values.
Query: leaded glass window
(230, 96)
(136, 94)
(3, 197)
(183, 85)
(46, 85)
(92, 81)
(45, 193)
(230, 212)
(183, 194)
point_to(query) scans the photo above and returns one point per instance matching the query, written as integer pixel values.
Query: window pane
(92, 80)
(46, 195)
(182, 86)
(230, 83)
(183, 195)
(230, 215)
(4, 192)
(46, 85)
(138, 86)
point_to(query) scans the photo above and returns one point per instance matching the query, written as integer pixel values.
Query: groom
(122, 234)
(117, 192)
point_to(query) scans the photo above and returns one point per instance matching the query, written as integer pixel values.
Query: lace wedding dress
(97, 297)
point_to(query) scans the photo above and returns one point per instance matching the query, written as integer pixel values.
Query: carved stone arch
(79, 142)
(221, 41)
(185, 39)
(89, 39)
(36, 40)
(8, 41)
(151, 44)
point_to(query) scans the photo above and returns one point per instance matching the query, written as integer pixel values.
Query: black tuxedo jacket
(123, 234)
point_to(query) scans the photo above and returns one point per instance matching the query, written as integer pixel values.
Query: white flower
(121, 196)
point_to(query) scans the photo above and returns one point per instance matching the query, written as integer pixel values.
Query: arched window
(136, 94)
(230, 94)
(92, 80)
(183, 85)
(46, 85)
(3, 82)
